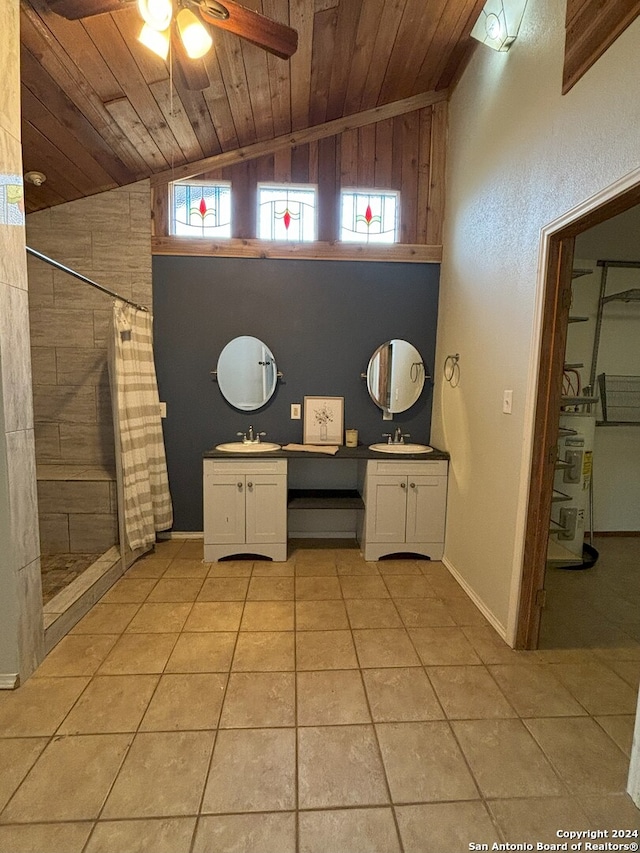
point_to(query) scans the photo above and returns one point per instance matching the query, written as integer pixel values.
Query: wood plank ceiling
(99, 110)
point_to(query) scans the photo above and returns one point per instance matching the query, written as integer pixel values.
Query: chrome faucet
(252, 437)
(397, 438)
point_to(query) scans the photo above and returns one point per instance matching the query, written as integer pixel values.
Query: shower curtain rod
(78, 275)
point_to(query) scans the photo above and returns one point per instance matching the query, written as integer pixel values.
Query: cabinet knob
(249, 485)
(413, 485)
(403, 485)
(240, 486)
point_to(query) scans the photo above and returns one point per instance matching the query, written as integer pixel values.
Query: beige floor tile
(334, 697)
(192, 549)
(159, 618)
(317, 589)
(270, 589)
(321, 615)
(445, 827)
(252, 770)
(168, 835)
(597, 688)
(200, 652)
(224, 589)
(365, 830)
(492, 649)
(163, 774)
(180, 568)
(168, 548)
(52, 837)
(363, 587)
(185, 702)
(268, 616)
(77, 654)
(401, 695)
(267, 569)
(506, 761)
(464, 612)
(17, 757)
(629, 670)
(247, 833)
(585, 757)
(373, 613)
(424, 762)
(259, 700)
(423, 613)
(139, 653)
(468, 692)
(110, 704)
(39, 706)
(230, 569)
(620, 730)
(538, 819)
(398, 567)
(611, 811)
(443, 646)
(214, 616)
(355, 567)
(314, 557)
(339, 766)
(535, 692)
(316, 569)
(325, 650)
(176, 589)
(129, 591)
(106, 619)
(264, 651)
(408, 586)
(385, 647)
(444, 585)
(70, 780)
(148, 568)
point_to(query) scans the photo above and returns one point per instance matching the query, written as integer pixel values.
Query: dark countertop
(360, 452)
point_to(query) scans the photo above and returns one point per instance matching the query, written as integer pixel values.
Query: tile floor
(322, 705)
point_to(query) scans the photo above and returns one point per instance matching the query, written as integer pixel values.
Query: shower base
(59, 570)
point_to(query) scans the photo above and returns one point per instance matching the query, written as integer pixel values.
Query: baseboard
(488, 615)
(8, 680)
(616, 532)
(178, 534)
(310, 534)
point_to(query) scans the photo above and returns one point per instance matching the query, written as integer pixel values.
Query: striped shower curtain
(138, 428)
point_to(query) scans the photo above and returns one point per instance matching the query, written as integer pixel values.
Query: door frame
(553, 302)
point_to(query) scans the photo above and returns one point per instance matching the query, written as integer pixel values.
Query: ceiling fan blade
(74, 10)
(193, 71)
(264, 32)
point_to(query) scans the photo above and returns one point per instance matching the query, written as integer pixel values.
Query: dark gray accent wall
(321, 319)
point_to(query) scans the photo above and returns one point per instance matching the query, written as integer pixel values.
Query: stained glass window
(286, 212)
(200, 209)
(369, 216)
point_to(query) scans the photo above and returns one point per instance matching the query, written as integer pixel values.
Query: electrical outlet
(507, 402)
(295, 412)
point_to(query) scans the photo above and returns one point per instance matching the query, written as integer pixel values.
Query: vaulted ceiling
(99, 110)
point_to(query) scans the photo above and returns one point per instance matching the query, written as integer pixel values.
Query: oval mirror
(247, 373)
(395, 376)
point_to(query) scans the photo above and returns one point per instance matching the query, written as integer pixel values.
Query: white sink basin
(240, 447)
(385, 447)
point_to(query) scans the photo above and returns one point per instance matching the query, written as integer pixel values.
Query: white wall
(520, 155)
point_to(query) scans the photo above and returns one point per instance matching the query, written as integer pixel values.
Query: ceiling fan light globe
(156, 14)
(158, 42)
(195, 36)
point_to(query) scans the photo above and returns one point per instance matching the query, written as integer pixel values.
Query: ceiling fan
(175, 21)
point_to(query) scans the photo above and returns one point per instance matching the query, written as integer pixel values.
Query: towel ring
(452, 370)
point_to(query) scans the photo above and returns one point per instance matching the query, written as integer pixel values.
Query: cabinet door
(386, 508)
(426, 505)
(224, 514)
(266, 508)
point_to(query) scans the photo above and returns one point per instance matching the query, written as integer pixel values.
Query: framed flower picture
(323, 421)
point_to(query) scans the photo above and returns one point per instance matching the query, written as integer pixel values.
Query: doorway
(558, 247)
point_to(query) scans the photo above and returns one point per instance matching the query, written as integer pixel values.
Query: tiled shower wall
(107, 238)
(21, 636)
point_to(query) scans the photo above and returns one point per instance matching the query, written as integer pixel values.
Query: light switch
(295, 412)
(507, 402)
(163, 410)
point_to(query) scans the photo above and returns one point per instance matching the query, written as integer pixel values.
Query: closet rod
(78, 275)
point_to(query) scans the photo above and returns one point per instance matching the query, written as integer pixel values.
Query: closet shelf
(620, 398)
(578, 319)
(632, 295)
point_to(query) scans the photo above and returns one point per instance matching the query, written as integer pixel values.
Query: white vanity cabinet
(245, 508)
(405, 507)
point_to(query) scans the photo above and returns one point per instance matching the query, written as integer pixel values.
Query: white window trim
(196, 183)
(280, 185)
(373, 191)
